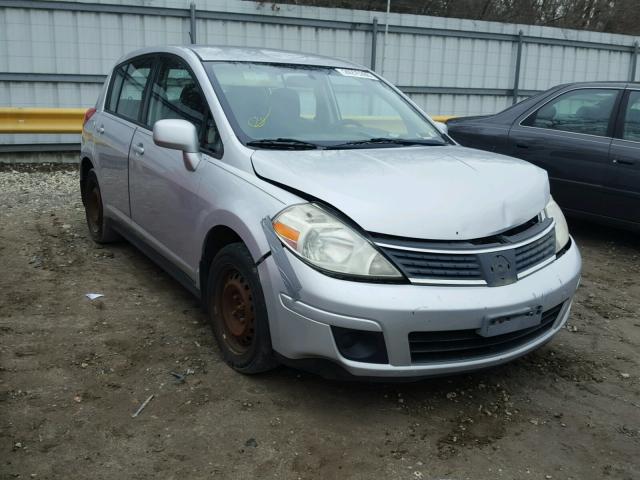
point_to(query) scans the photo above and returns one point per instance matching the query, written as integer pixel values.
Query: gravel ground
(72, 371)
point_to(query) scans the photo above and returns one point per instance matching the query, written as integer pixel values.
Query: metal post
(634, 62)
(192, 22)
(374, 42)
(516, 79)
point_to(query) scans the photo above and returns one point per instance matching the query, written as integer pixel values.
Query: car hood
(434, 192)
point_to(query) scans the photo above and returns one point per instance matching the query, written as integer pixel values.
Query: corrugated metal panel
(351, 45)
(447, 62)
(21, 139)
(48, 95)
(544, 66)
(460, 105)
(38, 40)
(41, 41)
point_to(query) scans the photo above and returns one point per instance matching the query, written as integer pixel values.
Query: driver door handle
(139, 149)
(623, 162)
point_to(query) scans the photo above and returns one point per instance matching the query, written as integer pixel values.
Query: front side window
(127, 90)
(176, 94)
(586, 110)
(631, 130)
(323, 105)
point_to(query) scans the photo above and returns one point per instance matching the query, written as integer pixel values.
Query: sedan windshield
(305, 107)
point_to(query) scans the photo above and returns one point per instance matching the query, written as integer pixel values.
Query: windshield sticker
(253, 77)
(347, 72)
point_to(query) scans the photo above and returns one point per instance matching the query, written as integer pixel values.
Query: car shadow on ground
(550, 360)
(146, 268)
(596, 234)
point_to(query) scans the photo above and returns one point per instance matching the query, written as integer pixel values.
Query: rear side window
(631, 129)
(579, 111)
(176, 94)
(127, 89)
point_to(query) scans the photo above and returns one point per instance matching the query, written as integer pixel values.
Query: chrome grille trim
(471, 251)
(536, 267)
(446, 281)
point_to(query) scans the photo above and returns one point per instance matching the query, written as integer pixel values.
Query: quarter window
(116, 86)
(631, 129)
(128, 87)
(176, 94)
(579, 111)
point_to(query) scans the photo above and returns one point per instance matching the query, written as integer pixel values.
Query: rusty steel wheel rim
(235, 308)
(93, 210)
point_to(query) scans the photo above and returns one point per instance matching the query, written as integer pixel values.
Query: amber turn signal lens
(287, 233)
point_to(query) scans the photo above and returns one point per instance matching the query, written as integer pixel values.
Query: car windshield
(299, 106)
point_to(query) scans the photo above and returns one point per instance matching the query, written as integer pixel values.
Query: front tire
(98, 229)
(237, 311)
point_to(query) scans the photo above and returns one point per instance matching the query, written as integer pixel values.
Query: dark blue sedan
(587, 137)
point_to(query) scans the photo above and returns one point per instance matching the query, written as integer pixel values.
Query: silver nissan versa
(322, 218)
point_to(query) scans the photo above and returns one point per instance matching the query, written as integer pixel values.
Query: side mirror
(442, 127)
(179, 135)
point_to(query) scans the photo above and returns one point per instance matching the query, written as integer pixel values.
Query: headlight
(327, 243)
(562, 230)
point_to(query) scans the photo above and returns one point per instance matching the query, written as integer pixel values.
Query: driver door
(569, 136)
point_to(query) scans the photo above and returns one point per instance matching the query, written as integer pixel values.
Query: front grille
(535, 252)
(441, 346)
(487, 261)
(436, 265)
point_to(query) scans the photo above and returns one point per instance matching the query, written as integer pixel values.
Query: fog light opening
(360, 345)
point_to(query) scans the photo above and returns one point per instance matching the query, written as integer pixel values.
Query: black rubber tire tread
(104, 234)
(260, 357)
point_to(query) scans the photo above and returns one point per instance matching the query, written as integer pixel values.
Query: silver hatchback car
(322, 218)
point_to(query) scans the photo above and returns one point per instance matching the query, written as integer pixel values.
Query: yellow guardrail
(61, 120)
(442, 118)
(41, 120)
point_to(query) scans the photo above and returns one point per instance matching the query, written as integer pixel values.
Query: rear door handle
(623, 162)
(522, 145)
(139, 149)
(101, 129)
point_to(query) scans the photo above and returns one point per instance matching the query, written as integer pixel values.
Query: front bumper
(301, 328)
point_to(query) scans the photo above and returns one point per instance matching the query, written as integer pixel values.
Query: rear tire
(98, 228)
(237, 311)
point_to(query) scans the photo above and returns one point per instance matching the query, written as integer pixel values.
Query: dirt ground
(72, 372)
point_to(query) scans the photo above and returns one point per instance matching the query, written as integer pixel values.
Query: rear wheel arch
(99, 228)
(85, 166)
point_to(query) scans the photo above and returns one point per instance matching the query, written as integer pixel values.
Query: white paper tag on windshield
(347, 72)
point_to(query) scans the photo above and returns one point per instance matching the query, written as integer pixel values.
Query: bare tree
(614, 16)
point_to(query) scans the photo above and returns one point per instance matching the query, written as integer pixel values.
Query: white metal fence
(55, 54)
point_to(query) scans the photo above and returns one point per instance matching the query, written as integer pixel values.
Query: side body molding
(289, 277)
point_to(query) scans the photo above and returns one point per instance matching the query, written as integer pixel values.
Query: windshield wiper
(385, 140)
(283, 144)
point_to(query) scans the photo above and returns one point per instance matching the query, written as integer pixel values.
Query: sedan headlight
(552, 210)
(329, 244)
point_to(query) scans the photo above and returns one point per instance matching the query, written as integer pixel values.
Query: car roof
(208, 53)
(598, 84)
(266, 55)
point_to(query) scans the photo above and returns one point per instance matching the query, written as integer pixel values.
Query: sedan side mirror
(180, 135)
(442, 127)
